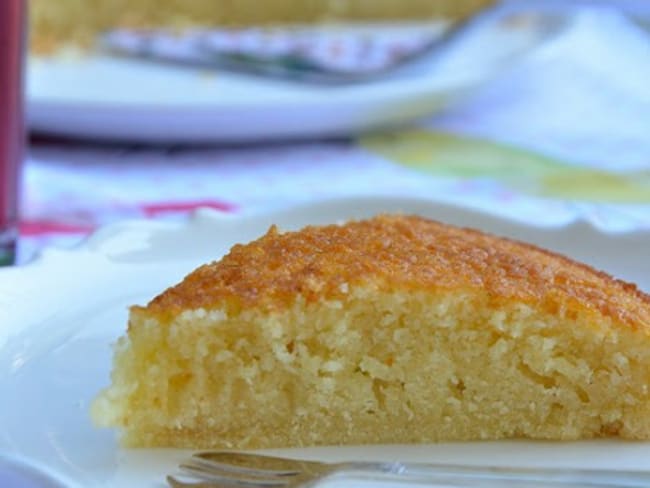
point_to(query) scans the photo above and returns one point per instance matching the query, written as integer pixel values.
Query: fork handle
(483, 477)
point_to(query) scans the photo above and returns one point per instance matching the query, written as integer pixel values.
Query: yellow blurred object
(77, 22)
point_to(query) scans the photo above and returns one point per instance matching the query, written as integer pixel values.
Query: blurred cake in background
(55, 24)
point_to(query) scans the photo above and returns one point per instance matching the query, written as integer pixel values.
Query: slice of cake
(389, 330)
(55, 23)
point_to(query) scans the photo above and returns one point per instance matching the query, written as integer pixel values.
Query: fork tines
(223, 468)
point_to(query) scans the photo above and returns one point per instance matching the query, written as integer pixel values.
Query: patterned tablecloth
(562, 135)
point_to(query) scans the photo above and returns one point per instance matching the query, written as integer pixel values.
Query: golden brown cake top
(398, 252)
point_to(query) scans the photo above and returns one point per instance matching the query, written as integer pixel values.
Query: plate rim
(212, 217)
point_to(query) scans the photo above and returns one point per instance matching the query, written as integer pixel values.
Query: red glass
(12, 133)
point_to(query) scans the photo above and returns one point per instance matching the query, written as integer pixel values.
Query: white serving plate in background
(60, 314)
(105, 97)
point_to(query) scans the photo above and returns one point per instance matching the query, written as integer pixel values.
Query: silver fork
(219, 469)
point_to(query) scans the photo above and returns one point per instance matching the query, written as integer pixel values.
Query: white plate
(59, 315)
(105, 97)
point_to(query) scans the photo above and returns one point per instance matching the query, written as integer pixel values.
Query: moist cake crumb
(395, 329)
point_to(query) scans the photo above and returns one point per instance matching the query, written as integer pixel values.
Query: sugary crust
(399, 252)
